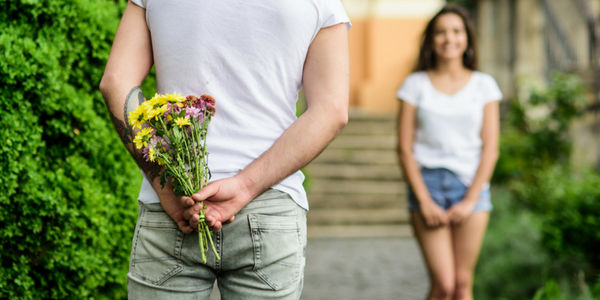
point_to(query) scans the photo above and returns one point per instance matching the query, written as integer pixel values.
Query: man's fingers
(188, 213)
(217, 227)
(187, 201)
(206, 192)
(184, 227)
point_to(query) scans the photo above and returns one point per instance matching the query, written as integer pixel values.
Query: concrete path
(370, 268)
(364, 268)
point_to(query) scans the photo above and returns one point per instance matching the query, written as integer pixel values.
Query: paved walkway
(370, 268)
(364, 268)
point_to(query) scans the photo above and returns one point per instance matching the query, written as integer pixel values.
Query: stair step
(355, 115)
(354, 171)
(319, 201)
(357, 216)
(386, 142)
(357, 156)
(370, 127)
(356, 231)
(357, 186)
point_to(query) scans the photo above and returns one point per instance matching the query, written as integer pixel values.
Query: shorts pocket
(278, 251)
(156, 247)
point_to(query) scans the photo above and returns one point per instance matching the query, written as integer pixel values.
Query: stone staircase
(355, 185)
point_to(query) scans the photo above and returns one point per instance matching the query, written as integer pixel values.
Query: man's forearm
(325, 80)
(296, 147)
(119, 111)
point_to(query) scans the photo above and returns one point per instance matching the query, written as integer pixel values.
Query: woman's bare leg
(467, 238)
(437, 250)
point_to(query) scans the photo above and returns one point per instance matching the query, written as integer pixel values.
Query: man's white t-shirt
(448, 130)
(248, 55)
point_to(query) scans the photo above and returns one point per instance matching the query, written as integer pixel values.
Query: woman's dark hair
(427, 59)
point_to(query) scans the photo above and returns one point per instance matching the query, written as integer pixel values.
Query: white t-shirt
(448, 132)
(248, 55)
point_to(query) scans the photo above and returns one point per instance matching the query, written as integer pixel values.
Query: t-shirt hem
(148, 195)
(338, 21)
(139, 3)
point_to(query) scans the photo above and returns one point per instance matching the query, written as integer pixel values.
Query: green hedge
(535, 131)
(68, 185)
(512, 260)
(545, 227)
(571, 228)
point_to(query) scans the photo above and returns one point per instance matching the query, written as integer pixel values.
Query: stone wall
(522, 42)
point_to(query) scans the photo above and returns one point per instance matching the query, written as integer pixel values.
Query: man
(252, 57)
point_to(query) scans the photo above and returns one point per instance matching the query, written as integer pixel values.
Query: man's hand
(223, 199)
(174, 206)
(433, 215)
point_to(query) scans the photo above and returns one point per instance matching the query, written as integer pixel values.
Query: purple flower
(193, 112)
(145, 151)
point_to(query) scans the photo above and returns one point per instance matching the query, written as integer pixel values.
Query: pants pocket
(278, 250)
(157, 243)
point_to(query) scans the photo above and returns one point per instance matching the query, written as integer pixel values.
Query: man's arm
(326, 83)
(129, 63)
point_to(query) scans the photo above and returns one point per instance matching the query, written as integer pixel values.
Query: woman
(448, 127)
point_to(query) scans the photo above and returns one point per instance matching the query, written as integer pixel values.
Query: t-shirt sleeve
(333, 13)
(492, 90)
(409, 91)
(140, 3)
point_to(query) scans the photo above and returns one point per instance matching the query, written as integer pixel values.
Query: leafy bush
(535, 134)
(566, 290)
(548, 234)
(68, 185)
(571, 223)
(560, 240)
(512, 258)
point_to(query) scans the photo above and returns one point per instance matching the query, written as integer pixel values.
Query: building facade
(384, 44)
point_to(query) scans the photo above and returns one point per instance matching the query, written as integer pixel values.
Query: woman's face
(449, 37)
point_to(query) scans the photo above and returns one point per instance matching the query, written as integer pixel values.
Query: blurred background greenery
(543, 236)
(68, 184)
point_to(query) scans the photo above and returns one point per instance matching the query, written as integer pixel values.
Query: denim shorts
(262, 254)
(446, 189)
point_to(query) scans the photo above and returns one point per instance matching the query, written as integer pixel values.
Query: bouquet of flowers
(172, 134)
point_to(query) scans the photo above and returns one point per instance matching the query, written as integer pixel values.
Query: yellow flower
(136, 117)
(146, 108)
(152, 154)
(159, 99)
(162, 109)
(174, 98)
(142, 137)
(182, 121)
(155, 112)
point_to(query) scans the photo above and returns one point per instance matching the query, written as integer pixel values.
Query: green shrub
(571, 227)
(576, 289)
(512, 258)
(550, 290)
(535, 132)
(569, 203)
(68, 185)
(554, 211)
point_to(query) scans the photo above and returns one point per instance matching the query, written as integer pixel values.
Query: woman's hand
(433, 214)
(460, 211)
